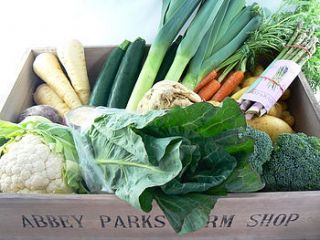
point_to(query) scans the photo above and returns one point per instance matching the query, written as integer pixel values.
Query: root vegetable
(276, 110)
(167, 94)
(248, 81)
(288, 118)
(205, 81)
(271, 125)
(285, 95)
(44, 95)
(216, 104)
(229, 85)
(45, 111)
(284, 105)
(207, 92)
(47, 67)
(258, 70)
(71, 55)
(239, 94)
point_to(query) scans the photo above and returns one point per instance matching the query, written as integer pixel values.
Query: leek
(193, 37)
(158, 49)
(224, 53)
(227, 12)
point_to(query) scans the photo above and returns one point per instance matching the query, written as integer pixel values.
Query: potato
(258, 70)
(248, 81)
(288, 118)
(271, 125)
(284, 105)
(285, 95)
(239, 94)
(247, 75)
(276, 110)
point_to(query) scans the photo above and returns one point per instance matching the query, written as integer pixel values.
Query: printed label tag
(272, 83)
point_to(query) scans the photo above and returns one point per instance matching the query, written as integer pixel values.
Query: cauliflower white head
(29, 165)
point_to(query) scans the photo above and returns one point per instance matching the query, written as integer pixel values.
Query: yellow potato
(284, 105)
(288, 118)
(285, 95)
(248, 81)
(276, 110)
(271, 125)
(259, 70)
(239, 94)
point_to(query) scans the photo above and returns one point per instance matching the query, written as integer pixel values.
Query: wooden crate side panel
(305, 108)
(20, 96)
(245, 216)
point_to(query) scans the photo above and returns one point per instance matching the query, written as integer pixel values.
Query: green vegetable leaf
(199, 119)
(213, 169)
(186, 213)
(175, 157)
(244, 179)
(10, 130)
(132, 163)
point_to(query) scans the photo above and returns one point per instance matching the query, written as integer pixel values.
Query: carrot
(229, 86)
(211, 76)
(47, 67)
(71, 55)
(44, 95)
(209, 90)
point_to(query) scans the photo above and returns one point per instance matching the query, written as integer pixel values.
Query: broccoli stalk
(262, 148)
(294, 164)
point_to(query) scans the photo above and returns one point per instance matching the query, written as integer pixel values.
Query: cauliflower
(31, 166)
(167, 94)
(38, 157)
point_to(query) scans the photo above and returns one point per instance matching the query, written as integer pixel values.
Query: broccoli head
(294, 164)
(262, 148)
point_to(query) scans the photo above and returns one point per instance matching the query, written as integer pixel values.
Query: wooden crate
(281, 215)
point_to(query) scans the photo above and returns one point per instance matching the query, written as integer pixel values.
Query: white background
(40, 23)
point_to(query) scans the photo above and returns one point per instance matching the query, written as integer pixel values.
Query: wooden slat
(290, 215)
(20, 96)
(305, 108)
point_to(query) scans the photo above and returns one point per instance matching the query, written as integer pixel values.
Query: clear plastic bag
(80, 120)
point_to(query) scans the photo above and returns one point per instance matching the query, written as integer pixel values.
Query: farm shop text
(150, 221)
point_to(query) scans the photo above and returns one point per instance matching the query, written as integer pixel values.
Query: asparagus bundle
(269, 87)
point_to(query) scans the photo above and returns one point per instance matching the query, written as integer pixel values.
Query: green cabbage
(183, 158)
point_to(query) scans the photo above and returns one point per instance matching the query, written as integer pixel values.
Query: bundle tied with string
(270, 86)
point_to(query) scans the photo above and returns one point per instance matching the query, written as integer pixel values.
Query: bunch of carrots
(215, 88)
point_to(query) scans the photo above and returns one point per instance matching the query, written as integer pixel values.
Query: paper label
(272, 83)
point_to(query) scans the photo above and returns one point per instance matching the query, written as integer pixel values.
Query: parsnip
(71, 55)
(44, 95)
(47, 67)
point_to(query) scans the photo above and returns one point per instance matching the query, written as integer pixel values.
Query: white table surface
(41, 23)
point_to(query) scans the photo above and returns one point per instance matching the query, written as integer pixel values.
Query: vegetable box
(263, 215)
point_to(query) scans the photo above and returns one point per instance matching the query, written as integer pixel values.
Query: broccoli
(262, 148)
(294, 164)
